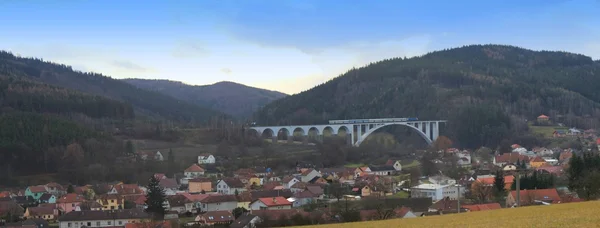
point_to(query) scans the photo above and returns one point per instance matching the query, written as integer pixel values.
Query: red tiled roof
(159, 175)
(201, 179)
(558, 170)
(538, 159)
(194, 168)
(511, 158)
(105, 198)
(482, 207)
(215, 217)
(70, 198)
(140, 200)
(550, 195)
(275, 201)
(168, 183)
(214, 198)
(233, 182)
(56, 185)
(37, 189)
(39, 211)
(543, 117)
(196, 197)
(4, 194)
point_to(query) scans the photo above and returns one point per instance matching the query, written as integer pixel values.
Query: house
(309, 195)
(246, 221)
(509, 167)
(289, 181)
(55, 189)
(116, 218)
(193, 171)
(10, 207)
(70, 202)
(255, 181)
(198, 185)
(559, 133)
(441, 180)
(146, 155)
(565, 156)
(543, 119)
(482, 207)
(360, 171)
(230, 186)
(206, 159)
(550, 161)
(111, 202)
(195, 199)
(509, 158)
(47, 212)
(244, 199)
(385, 170)
(89, 206)
(573, 132)
(160, 176)
(36, 191)
(556, 170)
(179, 204)
(445, 206)
(363, 189)
(126, 190)
(489, 181)
(309, 175)
(394, 163)
(169, 185)
(218, 203)
(537, 162)
(47, 198)
(213, 218)
(543, 152)
(437, 191)
(463, 159)
(271, 203)
(29, 223)
(530, 197)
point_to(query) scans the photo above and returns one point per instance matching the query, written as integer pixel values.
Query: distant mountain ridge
(439, 85)
(232, 98)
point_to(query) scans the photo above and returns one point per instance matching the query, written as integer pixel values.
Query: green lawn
(413, 164)
(400, 194)
(354, 165)
(545, 131)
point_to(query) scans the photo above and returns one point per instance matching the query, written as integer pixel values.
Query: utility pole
(458, 199)
(518, 188)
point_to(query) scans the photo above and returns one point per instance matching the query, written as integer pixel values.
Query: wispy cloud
(130, 66)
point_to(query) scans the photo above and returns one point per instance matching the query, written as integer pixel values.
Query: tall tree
(70, 189)
(499, 185)
(171, 166)
(129, 148)
(155, 198)
(442, 143)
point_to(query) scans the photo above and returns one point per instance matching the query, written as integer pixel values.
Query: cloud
(130, 66)
(189, 49)
(226, 70)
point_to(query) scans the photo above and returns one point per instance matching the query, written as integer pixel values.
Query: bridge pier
(349, 140)
(274, 139)
(290, 139)
(305, 140)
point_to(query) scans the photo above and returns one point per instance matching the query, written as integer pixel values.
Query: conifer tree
(155, 198)
(70, 189)
(499, 186)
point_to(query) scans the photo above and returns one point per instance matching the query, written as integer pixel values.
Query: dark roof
(234, 182)
(315, 189)
(242, 221)
(219, 199)
(382, 168)
(177, 201)
(286, 193)
(104, 215)
(168, 183)
(37, 222)
(217, 216)
(45, 197)
(23, 200)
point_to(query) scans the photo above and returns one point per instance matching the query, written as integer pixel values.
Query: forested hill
(232, 98)
(521, 83)
(146, 102)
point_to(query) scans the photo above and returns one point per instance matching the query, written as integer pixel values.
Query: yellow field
(559, 215)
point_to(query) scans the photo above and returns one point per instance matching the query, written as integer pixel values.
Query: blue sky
(285, 45)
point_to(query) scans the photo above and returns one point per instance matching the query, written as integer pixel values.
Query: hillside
(232, 98)
(558, 215)
(483, 79)
(144, 102)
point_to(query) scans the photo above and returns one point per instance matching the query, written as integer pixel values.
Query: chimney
(274, 200)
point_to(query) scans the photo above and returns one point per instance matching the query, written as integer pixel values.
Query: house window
(120, 222)
(89, 223)
(109, 223)
(68, 224)
(97, 223)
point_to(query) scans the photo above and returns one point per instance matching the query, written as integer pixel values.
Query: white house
(112, 218)
(396, 164)
(289, 181)
(271, 203)
(436, 191)
(385, 170)
(145, 155)
(551, 161)
(218, 203)
(206, 159)
(193, 171)
(464, 159)
(229, 186)
(179, 204)
(308, 175)
(509, 167)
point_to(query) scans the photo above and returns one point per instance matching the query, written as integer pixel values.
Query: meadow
(583, 214)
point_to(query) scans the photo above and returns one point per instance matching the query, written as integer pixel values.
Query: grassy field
(545, 131)
(561, 215)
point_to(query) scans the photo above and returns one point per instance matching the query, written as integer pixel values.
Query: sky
(284, 45)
